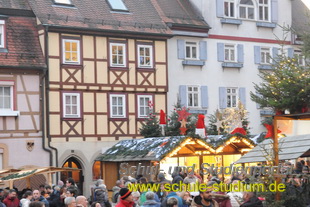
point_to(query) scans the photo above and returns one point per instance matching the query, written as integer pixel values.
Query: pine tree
(287, 86)
(151, 127)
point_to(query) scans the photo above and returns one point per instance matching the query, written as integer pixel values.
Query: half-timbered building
(107, 61)
(22, 67)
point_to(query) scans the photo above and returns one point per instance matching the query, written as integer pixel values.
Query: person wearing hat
(126, 199)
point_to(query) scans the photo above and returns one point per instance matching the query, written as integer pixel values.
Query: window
(191, 50)
(144, 105)
(145, 56)
(117, 106)
(117, 5)
(2, 24)
(71, 51)
(246, 9)
(265, 56)
(117, 55)
(229, 8)
(263, 10)
(62, 1)
(230, 53)
(71, 105)
(232, 97)
(193, 99)
(6, 98)
(300, 58)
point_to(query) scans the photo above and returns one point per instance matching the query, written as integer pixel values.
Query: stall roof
(290, 147)
(151, 149)
(157, 148)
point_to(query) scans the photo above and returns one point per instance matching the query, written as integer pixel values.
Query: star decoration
(183, 114)
(183, 130)
(183, 123)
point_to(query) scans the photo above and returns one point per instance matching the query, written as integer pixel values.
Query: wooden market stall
(168, 152)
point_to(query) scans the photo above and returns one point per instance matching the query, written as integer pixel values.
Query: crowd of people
(68, 195)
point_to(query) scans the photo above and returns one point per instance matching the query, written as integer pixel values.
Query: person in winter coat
(25, 201)
(38, 197)
(53, 197)
(204, 199)
(101, 196)
(150, 200)
(116, 190)
(126, 199)
(176, 177)
(250, 200)
(11, 200)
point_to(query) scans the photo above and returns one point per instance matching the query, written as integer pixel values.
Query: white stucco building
(209, 73)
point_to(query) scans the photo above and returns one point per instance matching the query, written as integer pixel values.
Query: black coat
(253, 202)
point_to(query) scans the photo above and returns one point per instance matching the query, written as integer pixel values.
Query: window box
(265, 67)
(266, 24)
(193, 62)
(197, 111)
(231, 21)
(232, 65)
(9, 113)
(266, 113)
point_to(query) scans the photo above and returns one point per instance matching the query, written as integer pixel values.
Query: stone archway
(77, 176)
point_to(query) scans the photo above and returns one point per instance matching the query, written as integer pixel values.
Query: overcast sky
(307, 2)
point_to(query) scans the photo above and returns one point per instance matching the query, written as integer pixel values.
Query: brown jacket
(197, 202)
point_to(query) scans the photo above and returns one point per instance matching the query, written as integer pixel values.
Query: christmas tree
(151, 127)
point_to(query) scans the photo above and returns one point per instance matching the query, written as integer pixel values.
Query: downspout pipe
(47, 89)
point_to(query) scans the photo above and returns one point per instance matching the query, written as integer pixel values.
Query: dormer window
(117, 5)
(68, 2)
(2, 34)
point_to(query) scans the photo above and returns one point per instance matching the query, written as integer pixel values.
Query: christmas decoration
(270, 133)
(183, 114)
(162, 119)
(238, 130)
(285, 87)
(150, 127)
(200, 126)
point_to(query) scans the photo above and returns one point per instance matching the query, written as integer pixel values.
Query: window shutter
(204, 96)
(275, 53)
(182, 95)
(181, 49)
(290, 52)
(242, 96)
(220, 8)
(274, 11)
(223, 97)
(220, 52)
(257, 54)
(240, 53)
(203, 50)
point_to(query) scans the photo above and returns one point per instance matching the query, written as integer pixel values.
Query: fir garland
(17, 175)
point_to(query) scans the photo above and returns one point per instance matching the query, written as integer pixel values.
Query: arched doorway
(76, 175)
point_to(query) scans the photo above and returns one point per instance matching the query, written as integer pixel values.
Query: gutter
(47, 90)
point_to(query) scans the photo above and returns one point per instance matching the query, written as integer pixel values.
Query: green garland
(17, 175)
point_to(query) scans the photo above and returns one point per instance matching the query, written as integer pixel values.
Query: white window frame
(63, 2)
(300, 58)
(231, 49)
(123, 105)
(191, 45)
(150, 47)
(124, 54)
(264, 6)
(64, 51)
(230, 7)
(247, 7)
(232, 95)
(9, 111)
(150, 97)
(193, 93)
(78, 105)
(264, 55)
(2, 33)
